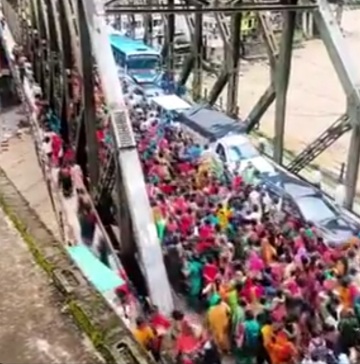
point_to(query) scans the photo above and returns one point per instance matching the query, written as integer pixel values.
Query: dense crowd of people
(270, 288)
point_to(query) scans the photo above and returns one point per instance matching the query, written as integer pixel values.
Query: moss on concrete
(88, 309)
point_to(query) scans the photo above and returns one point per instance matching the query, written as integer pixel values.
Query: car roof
(210, 123)
(287, 184)
(233, 140)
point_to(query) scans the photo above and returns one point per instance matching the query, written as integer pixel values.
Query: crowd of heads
(270, 289)
(268, 286)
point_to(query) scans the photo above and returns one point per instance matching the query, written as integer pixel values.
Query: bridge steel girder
(282, 81)
(230, 73)
(192, 60)
(186, 70)
(54, 54)
(148, 26)
(349, 78)
(136, 224)
(233, 65)
(225, 73)
(45, 48)
(198, 55)
(37, 47)
(89, 113)
(170, 39)
(268, 97)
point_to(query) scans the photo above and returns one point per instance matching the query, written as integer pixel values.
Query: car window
(220, 151)
(315, 209)
(242, 152)
(297, 190)
(289, 206)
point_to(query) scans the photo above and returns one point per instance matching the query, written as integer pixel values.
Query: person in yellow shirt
(144, 334)
(266, 335)
(223, 214)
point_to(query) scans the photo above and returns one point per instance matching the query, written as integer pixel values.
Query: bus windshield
(143, 62)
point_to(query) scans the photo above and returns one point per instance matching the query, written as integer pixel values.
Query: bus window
(143, 62)
(119, 58)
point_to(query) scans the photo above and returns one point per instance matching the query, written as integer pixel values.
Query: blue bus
(136, 59)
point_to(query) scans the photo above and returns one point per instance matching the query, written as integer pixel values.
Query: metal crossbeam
(124, 9)
(320, 144)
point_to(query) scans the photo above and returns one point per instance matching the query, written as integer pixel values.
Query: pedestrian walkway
(20, 164)
(32, 327)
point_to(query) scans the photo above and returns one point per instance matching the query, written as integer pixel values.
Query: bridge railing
(68, 225)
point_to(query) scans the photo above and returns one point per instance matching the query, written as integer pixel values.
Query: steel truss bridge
(67, 39)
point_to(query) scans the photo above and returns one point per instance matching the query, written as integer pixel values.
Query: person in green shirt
(194, 275)
(160, 228)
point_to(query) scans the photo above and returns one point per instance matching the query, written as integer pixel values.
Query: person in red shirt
(210, 271)
(206, 230)
(56, 144)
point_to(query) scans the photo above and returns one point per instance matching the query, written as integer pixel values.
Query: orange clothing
(281, 350)
(339, 268)
(219, 324)
(345, 296)
(268, 252)
(224, 291)
(144, 336)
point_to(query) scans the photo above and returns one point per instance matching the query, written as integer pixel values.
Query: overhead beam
(180, 9)
(282, 81)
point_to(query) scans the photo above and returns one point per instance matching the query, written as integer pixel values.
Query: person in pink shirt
(254, 263)
(56, 144)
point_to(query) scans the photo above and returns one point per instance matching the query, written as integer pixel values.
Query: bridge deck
(32, 327)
